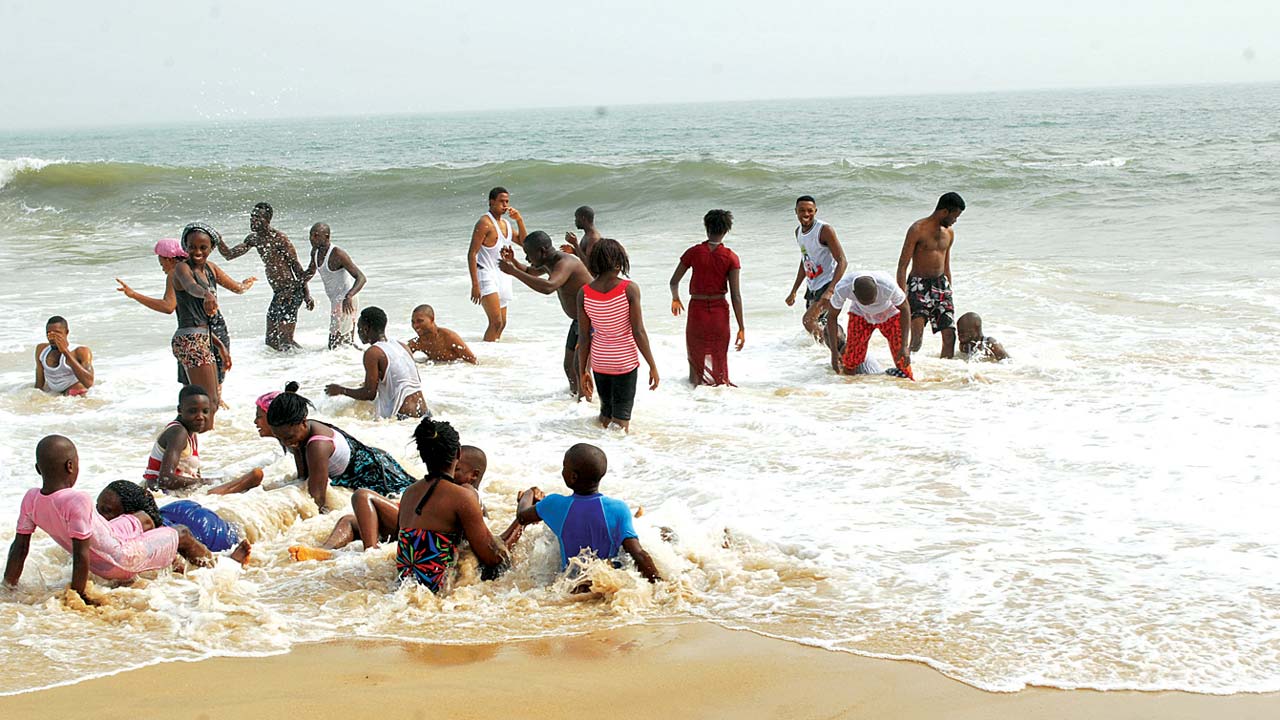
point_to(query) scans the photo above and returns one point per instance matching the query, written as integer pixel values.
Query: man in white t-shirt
(875, 303)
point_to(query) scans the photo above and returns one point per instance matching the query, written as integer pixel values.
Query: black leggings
(617, 394)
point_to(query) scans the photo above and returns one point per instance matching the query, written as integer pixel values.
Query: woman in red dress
(715, 273)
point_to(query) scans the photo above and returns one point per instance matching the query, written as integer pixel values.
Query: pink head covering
(170, 248)
(264, 401)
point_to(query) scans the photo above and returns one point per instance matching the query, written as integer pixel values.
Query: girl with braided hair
(128, 498)
(206, 526)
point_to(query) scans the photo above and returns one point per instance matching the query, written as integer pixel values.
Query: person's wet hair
(864, 288)
(494, 193)
(375, 319)
(608, 254)
(56, 320)
(264, 209)
(538, 240)
(196, 227)
(425, 308)
(585, 213)
(438, 444)
(950, 201)
(718, 222)
(806, 198)
(588, 461)
(192, 390)
(135, 498)
(289, 408)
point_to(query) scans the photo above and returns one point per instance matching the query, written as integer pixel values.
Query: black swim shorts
(930, 298)
(617, 394)
(813, 296)
(284, 305)
(571, 340)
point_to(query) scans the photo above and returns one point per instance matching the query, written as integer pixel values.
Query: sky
(77, 63)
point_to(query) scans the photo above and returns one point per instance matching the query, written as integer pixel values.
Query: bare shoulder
(40, 348)
(373, 352)
(83, 353)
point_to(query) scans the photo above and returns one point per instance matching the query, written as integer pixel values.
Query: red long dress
(706, 333)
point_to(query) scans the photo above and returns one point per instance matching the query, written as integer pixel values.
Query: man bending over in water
(62, 368)
(489, 288)
(439, 344)
(927, 250)
(565, 277)
(975, 346)
(284, 273)
(390, 375)
(584, 218)
(875, 303)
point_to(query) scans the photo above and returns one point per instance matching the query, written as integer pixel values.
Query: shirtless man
(60, 368)
(439, 344)
(927, 250)
(342, 281)
(822, 264)
(391, 378)
(565, 276)
(584, 218)
(976, 346)
(490, 288)
(284, 273)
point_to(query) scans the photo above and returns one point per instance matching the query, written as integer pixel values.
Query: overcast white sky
(95, 62)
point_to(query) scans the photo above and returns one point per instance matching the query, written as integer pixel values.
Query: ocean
(1098, 512)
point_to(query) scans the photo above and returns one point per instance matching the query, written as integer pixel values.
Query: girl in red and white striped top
(611, 332)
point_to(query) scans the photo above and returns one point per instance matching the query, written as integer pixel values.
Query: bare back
(577, 275)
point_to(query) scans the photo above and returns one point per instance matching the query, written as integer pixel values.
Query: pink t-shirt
(118, 550)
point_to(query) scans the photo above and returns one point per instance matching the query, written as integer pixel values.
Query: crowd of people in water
(125, 532)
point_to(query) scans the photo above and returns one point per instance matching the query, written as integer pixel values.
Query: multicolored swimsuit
(427, 555)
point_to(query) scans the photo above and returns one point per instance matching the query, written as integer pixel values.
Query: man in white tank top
(391, 379)
(822, 264)
(342, 281)
(490, 288)
(61, 368)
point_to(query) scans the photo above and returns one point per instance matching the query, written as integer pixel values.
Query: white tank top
(60, 377)
(337, 283)
(819, 263)
(398, 382)
(341, 456)
(488, 257)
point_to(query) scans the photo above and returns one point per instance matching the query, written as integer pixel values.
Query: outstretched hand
(128, 291)
(333, 389)
(248, 282)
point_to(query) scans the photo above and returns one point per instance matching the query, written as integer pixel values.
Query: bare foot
(301, 553)
(241, 553)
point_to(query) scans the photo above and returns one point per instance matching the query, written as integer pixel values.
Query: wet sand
(685, 671)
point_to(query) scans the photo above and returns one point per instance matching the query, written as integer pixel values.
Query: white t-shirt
(888, 296)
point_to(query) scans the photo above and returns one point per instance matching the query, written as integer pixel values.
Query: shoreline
(684, 670)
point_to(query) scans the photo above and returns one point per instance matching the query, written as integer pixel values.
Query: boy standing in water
(115, 550)
(284, 273)
(586, 520)
(390, 375)
(337, 272)
(584, 218)
(715, 271)
(927, 250)
(437, 343)
(489, 287)
(565, 277)
(822, 265)
(61, 368)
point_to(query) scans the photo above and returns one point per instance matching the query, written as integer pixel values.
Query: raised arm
(175, 441)
(904, 259)
(80, 361)
(231, 253)
(520, 234)
(681, 268)
(225, 280)
(374, 364)
(524, 274)
(639, 333)
(165, 305)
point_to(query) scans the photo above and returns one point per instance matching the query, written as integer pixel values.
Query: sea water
(1099, 512)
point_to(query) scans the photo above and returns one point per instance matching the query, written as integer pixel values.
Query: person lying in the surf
(974, 345)
(214, 532)
(174, 463)
(62, 368)
(116, 550)
(439, 344)
(375, 519)
(436, 513)
(586, 520)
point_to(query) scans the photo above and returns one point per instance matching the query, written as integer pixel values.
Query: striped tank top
(188, 463)
(613, 346)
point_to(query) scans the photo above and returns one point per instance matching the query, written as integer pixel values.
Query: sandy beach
(687, 671)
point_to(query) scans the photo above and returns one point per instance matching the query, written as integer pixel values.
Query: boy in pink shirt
(115, 550)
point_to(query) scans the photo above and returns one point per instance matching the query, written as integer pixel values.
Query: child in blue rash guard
(586, 520)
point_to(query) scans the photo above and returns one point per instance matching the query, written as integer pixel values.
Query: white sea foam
(9, 168)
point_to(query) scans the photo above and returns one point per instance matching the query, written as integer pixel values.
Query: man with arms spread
(927, 250)
(489, 287)
(284, 272)
(876, 303)
(61, 368)
(584, 218)
(822, 265)
(565, 276)
(342, 280)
